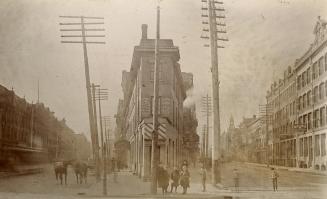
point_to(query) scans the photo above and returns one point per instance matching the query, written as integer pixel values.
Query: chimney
(144, 31)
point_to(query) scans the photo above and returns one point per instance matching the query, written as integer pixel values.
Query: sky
(265, 37)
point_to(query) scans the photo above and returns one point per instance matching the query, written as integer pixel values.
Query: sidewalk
(130, 186)
(295, 169)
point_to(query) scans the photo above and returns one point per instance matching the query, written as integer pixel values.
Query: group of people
(182, 177)
(177, 177)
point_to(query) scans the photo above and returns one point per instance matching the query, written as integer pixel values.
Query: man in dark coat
(174, 176)
(163, 179)
(185, 178)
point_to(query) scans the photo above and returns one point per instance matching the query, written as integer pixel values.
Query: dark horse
(80, 169)
(60, 169)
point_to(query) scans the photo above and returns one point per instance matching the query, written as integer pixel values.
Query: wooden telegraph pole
(154, 152)
(102, 94)
(211, 9)
(80, 38)
(207, 110)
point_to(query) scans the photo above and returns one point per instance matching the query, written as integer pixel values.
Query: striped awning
(147, 129)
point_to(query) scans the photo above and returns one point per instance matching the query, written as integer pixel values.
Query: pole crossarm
(86, 29)
(85, 17)
(82, 35)
(85, 23)
(86, 42)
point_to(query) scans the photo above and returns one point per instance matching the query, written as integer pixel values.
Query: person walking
(274, 176)
(174, 176)
(163, 179)
(185, 178)
(203, 173)
(236, 177)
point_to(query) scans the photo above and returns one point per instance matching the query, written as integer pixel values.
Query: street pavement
(255, 182)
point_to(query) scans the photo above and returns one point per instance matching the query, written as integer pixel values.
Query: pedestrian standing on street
(163, 179)
(274, 176)
(203, 173)
(185, 178)
(236, 177)
(174, 176)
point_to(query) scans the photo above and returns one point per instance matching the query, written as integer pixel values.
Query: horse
(60, 169)
(80, 169)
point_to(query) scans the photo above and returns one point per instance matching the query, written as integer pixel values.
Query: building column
(140, 162)
(146, 160)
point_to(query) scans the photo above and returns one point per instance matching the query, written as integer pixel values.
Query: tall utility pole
(265, 114)
(106, 121)
(211, 9)
(207, 110)
(203, 143)
(95, 134)
(102, 94)
(154, 152)
(79, 26)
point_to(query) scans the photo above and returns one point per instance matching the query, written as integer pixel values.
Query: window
(305, 147)
(309, 98)
(321, 65)
(314, 71)
(326, 62)
(317, 145)
(305, 120)
(326, 88)
(160, 73)
(323, 144)
(322, 116)
(321, 91)
(315, 94)
(305, 100)
(299, 82)
(300, 102)
(309, 75)
(309, 120)
(316, 118)
(301, 146)
(304, 75)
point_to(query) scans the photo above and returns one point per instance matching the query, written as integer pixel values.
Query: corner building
(137, 106)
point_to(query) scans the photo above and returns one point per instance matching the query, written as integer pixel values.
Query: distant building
(190, 123)
(30, 133)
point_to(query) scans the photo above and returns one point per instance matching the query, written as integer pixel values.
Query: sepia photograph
(194, 99)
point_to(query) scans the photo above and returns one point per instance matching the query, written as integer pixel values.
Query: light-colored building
(311, 70)
(298, 108)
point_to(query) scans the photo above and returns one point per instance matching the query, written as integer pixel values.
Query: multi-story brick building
(135, 117)
(282, 117)
(30, 133)
(298, 108)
